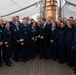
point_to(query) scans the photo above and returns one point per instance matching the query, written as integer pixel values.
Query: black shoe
(75, 71)
(54, 59)
(28, 60)
(1, 61)
(46, 58)
(8, 64)
(40, 57)
(70, 65)
(0, 65)
(24, 61)
(16, 60)
(61, 62)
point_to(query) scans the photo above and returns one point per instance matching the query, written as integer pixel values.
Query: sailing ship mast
(59, 9)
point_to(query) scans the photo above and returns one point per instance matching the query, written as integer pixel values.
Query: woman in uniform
(7, 43)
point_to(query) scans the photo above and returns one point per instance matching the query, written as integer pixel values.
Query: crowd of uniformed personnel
(47, 37)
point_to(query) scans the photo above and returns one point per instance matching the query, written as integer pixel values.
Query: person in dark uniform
(7, 43)
(17, 19)
(1, 43)
(16, 37)
(61, 43)
(53, 42)
(33, 39)
(44, 36)
(12, 23)
(58, 22)
(25, 40)
(2, 26)
(69, 44)
(74, 49)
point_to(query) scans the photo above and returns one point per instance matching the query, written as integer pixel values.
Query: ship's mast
(59, 9)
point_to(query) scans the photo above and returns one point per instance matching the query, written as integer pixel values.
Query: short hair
(32, 19)
(44, 19)
(71, 17)
(17, 16)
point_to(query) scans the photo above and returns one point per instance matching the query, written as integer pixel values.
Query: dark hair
(17, 16)
(6, 23)
(33, 22)
(63, 23)
(32, 19)
(71, 17)
(44, 19)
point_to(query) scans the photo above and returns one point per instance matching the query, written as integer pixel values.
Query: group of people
(47, 37)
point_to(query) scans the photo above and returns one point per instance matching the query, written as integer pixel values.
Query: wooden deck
(36, 67)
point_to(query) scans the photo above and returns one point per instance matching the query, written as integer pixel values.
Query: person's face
(71, 19)
(49, 19)
(24, 21)
(17, 18)
(58, 22)
(32, 21)
(14, 18)
(62, 25)
(16, 24)
(67, 22)
(1, 22)
(52, 21)
(43, 22)
(34, 24)
(7, 25)
(75, 20)
(53, 25)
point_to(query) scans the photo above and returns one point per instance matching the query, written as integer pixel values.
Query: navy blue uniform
(69, 45)
(7, 44)
(33, 39)
(3, 51)
(74, 48)
(12, 24)
(24, 37)
(61, 45)
(53, 45)
(1, 40)
(16, 39)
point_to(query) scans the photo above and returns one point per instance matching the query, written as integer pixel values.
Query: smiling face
(33, 24)
(16, 24)
(62, 25)
(53, 25)
(24, 21)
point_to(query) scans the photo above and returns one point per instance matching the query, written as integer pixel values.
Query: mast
(51, 8)
(59, 8)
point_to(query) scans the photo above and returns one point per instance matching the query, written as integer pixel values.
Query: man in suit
(44, 36)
